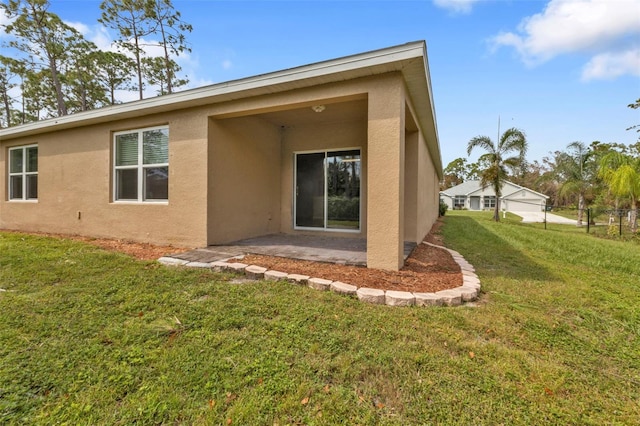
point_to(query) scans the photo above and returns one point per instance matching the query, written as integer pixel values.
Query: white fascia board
(364, 62)
(432, 109)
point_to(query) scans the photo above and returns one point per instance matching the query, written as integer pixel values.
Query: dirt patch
(435, 236)
(141, 251)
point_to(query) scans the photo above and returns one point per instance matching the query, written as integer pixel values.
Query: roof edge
(205, 94)
(518, 188)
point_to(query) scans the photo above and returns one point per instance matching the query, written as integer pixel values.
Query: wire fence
(604, 221)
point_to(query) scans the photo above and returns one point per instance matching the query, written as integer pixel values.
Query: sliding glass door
(328, 190)
(310, 190)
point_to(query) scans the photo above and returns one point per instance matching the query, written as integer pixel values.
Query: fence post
(588, 219)
(620, 225)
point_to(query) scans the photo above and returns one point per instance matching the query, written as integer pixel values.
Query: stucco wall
(428, 193)
(411, 186)
(244, 179)
(386, 144)
(75, 182)
(231, 171)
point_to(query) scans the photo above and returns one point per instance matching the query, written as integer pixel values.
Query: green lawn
(91, 337)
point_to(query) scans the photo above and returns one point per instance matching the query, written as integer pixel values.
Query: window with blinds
(141, 165)
(23, 173)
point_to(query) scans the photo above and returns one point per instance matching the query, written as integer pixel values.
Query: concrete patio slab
(346, 251)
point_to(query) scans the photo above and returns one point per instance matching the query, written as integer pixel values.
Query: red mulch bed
(428, 269)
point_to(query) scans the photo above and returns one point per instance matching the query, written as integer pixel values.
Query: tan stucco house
(346, 147)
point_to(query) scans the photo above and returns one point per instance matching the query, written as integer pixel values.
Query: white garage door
(524, 206)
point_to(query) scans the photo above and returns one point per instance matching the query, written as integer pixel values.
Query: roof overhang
(530, 191)
(410, 59)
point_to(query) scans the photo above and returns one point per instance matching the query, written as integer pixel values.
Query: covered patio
(339, 250)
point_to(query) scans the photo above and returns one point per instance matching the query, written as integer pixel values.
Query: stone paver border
(467, 292)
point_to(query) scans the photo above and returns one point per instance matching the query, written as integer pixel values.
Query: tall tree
(114, 72)
(474, 170)
(171, 29)
(455, 173)
(621, 173)
(38, 100)
(9, 73)
(83, 88)
(130, 18)
(576, 172)
(43, 36)
(155, 71)
(513, 141)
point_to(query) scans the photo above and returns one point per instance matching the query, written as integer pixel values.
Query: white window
(23, 173)
(489, 201)
(458, 201)
(141, 165)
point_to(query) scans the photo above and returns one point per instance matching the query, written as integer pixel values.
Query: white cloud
(197, 82)
(227, 64)
(79, 26)
(3, 22)
(596, 27)
(456, 6)
(100, 36)
(612, 65)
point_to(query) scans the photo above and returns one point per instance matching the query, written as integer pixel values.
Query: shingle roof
(465, 188)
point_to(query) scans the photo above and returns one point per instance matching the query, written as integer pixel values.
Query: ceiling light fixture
(318, 108)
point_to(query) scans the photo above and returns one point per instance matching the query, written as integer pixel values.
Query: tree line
(601, 175)
(54, 71)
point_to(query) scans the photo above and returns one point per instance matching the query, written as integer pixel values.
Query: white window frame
(326, 191)
(487, 200)
(22, 174)
(458, 198)
(140, 167)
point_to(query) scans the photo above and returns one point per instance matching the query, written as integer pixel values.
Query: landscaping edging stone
(468, 291)
(371, 295)
(342, 288)
(319, 283)
(275, 276)
(255, 272)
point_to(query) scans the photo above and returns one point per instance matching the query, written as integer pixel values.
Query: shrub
(443, 208)
(342, 208)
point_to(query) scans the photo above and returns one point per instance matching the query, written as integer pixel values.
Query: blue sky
(561, 70)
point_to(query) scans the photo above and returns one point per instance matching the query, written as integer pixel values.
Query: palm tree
(621, 172)
(576, 174)
(511, 141)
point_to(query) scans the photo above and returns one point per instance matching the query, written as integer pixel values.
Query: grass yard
(91, 337)
(617, 230)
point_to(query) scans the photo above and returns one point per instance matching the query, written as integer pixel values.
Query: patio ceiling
(355, 110)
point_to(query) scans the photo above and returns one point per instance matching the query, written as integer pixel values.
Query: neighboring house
(471, 196)
(346, 147)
